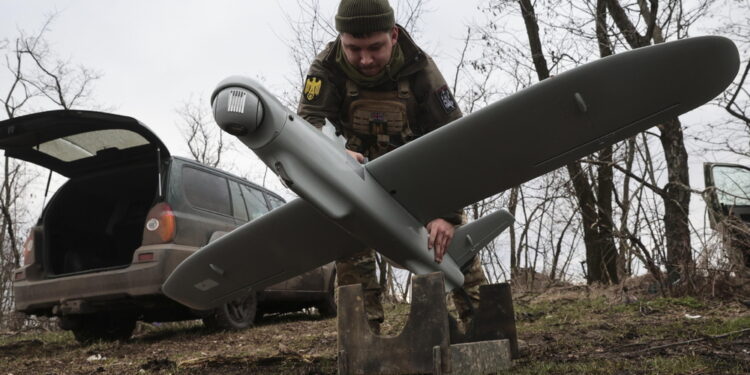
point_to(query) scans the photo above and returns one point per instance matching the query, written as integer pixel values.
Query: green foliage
(41, 337)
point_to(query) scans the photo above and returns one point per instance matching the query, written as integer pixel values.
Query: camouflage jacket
(435, 103)
(426, 82)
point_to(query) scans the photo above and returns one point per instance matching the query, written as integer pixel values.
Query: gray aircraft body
(346, 207)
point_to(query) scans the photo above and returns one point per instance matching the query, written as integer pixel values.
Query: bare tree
(491, 58)
(310, 30)
(629, 197)
(679, 262)
(733, 107)
(595, 209)
(736, 101)
(203, 137)
(39, 76)
(62, 83)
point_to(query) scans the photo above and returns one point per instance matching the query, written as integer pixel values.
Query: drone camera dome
(237, 110)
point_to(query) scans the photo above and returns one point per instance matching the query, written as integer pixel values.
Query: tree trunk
(607, 245)
(8, 219)
(512, 205)
(598, 249)
(605, 175)
(677, 205)
(677, 198)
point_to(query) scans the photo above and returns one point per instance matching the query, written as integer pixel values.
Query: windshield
(732, 185)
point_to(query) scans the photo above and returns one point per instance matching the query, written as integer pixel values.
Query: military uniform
(376, 118)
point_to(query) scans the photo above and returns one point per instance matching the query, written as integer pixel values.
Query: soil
(572, 330)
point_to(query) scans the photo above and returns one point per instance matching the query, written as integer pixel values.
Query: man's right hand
(357, 156)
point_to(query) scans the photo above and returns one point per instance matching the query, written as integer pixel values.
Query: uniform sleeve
(437, 105)
(320, 97)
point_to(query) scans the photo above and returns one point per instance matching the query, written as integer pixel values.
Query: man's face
(370, 54)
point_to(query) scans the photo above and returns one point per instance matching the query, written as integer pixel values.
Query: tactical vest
(377, 122)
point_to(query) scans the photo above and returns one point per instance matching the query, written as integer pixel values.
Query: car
(128, 214)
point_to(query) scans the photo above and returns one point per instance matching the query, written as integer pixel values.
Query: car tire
(101, 327)
(234, 315)
(327, 307)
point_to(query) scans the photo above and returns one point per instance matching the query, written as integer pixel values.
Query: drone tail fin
(470, 238)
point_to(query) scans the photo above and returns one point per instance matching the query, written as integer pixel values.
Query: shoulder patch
(313, 84)
(445, 97)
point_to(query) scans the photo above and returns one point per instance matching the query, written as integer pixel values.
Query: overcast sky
(154, 55)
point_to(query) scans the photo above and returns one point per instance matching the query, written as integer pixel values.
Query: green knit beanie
(364, 16)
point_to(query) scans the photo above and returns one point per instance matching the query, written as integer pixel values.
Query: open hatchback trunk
(95, 220)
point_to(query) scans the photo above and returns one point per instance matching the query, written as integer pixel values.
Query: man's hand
(441, 234)
(357, 156)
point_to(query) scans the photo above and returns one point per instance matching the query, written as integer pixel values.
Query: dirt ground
(573, 330)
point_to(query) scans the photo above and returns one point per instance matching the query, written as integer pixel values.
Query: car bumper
(78, 293)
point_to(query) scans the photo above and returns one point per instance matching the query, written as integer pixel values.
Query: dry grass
(568, 330)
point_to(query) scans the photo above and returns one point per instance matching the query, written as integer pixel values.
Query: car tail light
(145, 257)
(160, 225)
(28, 250)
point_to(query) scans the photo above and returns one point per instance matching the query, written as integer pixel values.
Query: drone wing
(286, 242)
(553, 123)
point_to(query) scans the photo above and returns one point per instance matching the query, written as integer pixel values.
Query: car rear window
(275, 202)
(84, 145)
(207, 191)
(256, 204)
(238, 204)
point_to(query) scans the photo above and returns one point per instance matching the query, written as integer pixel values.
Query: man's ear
(394, 34)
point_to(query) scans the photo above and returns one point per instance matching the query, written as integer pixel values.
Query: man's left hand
(441, 233)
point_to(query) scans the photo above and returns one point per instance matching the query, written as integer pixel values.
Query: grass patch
(598, 335)
(674, 365)
(668, 303)
(718, 326)
(45, 337)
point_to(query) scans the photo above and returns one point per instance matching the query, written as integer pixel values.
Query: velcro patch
(445, 97)
(313, 84)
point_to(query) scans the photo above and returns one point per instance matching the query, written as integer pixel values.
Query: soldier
(381, 91)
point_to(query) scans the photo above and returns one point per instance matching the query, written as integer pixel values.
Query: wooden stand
(430, 342)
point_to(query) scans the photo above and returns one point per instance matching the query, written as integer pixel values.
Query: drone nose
(238, 111)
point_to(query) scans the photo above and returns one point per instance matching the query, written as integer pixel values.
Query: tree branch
(686, 342)
(661, 192)
(734, 97)
(462, 61)
(625, 25)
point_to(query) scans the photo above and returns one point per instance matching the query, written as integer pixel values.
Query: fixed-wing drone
(345, 207)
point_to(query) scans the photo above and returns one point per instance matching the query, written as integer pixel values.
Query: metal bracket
(429, 343)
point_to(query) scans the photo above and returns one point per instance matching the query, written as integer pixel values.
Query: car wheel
(234, 315)
(327, 307)
(105, 327)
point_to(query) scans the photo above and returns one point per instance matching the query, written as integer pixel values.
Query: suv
(127, 216)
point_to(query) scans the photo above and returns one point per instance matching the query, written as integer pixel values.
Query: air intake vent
(236, 101)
